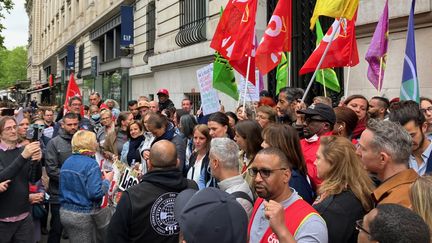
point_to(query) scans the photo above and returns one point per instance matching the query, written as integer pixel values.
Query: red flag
(276, 39)
(241, 66)
(51, 80)
(235, 33)
(72, 90)
(343, 50)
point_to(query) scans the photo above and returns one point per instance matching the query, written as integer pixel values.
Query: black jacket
(145, 212)
(57, 151)
(167, 104)
(14, 201)
(340, 213)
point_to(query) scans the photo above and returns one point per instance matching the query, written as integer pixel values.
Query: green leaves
(13, 66)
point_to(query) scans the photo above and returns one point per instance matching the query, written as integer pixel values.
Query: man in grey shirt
(224, 166)
(280, 215)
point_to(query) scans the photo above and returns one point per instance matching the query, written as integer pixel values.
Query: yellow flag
(335, 9)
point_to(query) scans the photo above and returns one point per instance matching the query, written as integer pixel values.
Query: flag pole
(289, 69)
(321, 61)
(323, 77)
(347, 84)
(246, 83)
(379, 77)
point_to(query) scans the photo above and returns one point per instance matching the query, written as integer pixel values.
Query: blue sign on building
(70, 61)
(127, 26)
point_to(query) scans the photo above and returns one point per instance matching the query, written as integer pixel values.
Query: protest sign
(209, 96)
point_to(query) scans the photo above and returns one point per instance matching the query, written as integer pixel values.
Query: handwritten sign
(252, 92)
(209, 96)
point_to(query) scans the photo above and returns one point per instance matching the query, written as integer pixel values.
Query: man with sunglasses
(319, 121)
(280, 214)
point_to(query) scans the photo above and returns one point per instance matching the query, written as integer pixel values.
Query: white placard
(209, 96)
(252, 93)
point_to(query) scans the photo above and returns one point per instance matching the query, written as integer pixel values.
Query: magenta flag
(378, 50)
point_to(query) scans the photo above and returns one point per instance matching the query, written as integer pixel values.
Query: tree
(13, 66)
(5, 6)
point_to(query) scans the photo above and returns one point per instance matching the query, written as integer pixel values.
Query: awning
(37, 90)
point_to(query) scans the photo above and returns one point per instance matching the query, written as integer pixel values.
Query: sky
(16, 23)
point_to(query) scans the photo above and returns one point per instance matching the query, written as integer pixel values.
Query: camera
(34, 132)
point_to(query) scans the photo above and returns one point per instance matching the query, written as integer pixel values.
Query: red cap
(163, 91)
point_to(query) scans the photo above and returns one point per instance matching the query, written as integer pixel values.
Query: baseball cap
(321, 110)
(163, 91)
(143, 103)
(210, 215)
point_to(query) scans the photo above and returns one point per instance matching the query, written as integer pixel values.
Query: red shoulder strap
(255, 209)
(295, 215)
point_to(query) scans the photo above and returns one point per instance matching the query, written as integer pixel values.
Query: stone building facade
(171, 41)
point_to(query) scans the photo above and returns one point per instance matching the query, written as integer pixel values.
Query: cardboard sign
(209, 96)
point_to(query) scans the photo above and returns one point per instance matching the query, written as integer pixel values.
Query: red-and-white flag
(234, 36)
(276, 39)
(343, 50)
(72, 90)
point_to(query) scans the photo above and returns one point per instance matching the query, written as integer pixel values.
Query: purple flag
(378, 50)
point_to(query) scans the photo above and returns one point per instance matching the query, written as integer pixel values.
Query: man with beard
(279, 214)
(408, 114)
(57, 151)
(378, 107)
(319, 121)
(288, 100)
(164, 100)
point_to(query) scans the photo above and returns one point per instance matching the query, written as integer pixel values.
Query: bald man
(145, 211)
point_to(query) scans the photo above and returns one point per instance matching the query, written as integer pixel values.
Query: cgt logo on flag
(276, 39)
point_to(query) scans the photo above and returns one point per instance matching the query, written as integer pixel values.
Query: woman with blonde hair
(82, 188)
(421, 197)
(344, 195)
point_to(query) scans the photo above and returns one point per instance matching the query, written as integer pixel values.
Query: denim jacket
(81, 184)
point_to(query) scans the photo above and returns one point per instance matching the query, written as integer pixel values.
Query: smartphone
(8, 112)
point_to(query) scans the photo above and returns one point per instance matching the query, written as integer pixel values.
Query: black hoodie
(145, 212)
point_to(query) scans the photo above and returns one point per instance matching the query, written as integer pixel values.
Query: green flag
(223, 77)
(282, 73)
(328, 75)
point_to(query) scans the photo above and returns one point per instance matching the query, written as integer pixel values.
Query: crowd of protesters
(273, 171)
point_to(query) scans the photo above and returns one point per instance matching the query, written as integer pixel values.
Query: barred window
(195, 99)
(151, 30)
(192, 22)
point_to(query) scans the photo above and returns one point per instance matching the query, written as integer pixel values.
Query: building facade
(171, 40)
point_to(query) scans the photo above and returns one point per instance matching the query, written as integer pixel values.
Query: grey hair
(226, 151)
(392, 138)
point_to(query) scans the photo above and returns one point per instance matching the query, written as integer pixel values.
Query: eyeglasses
(262, 117)
(429, 109)
(264, 173)
(359, 226)
(8, 129)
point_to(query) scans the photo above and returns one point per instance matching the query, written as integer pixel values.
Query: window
(196, 100)
(151, 30)
(192, 22)
(80, 60)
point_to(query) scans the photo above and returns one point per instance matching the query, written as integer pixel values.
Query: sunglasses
(264, 173)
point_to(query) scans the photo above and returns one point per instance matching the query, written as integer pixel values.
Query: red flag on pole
(276, 39)
(51, 80)
(343, 50)
(72, 90)
(235, 33)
